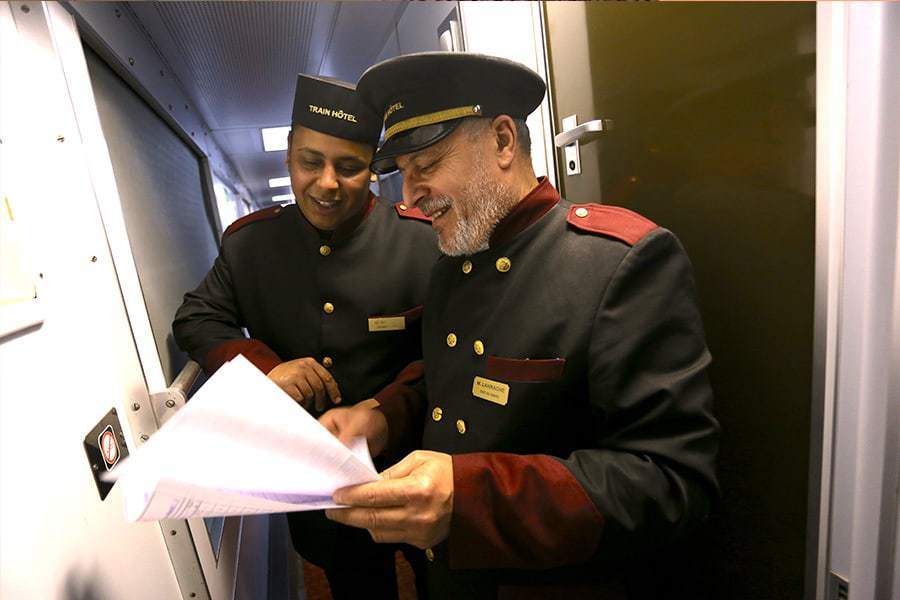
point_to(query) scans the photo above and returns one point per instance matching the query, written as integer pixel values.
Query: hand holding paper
(240, 446)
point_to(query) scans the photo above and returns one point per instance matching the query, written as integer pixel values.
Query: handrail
(186, 378)
(167, 402)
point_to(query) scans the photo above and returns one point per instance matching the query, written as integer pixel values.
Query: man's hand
(412, 504)
(307, 382)
(359, 420)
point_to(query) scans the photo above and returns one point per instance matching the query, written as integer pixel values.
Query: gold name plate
(492, 391)
(387, 324)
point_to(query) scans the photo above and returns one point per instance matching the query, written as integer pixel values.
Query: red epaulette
(260, 215)
(613, 221)
(411, 213)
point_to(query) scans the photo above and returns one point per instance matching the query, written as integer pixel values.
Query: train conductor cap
(424, 96)
(333, 107)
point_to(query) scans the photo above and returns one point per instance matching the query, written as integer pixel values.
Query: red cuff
(402, 406)
(519, 512)
(253, 350)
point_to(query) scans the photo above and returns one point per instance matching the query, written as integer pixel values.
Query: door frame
(199, 571)
(855, 453)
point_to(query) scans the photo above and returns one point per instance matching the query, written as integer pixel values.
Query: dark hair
(524, 137)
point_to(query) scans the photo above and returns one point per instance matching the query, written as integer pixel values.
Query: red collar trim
(529, 209)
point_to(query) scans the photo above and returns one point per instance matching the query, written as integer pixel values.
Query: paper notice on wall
(240, 446)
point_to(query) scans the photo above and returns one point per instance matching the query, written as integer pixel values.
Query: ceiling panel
(242, 57)
(238, 62)
(360, 32)
(256, 168)
(239, 141)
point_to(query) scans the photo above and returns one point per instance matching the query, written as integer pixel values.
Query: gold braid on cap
(431, 118)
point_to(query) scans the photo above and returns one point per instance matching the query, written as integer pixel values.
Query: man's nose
(412, 192)
(328, 178)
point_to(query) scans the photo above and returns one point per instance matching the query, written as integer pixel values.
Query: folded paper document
(240, 446)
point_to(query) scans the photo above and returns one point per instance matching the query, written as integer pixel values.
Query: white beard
(488, 201)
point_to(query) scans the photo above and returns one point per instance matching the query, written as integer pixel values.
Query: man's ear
(504, 132)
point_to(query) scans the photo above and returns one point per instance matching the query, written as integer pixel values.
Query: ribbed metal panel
(238, 62)
(242, 55)
(160, 184)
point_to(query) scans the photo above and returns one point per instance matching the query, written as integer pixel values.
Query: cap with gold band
(333, 107)
(424, 96)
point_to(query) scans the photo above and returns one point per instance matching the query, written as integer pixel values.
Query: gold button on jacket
(324, 250)
(451, 339)
(437, 413)
(503, 264)
(328, 308)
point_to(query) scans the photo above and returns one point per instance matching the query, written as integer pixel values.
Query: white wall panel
(58, 539)
(391, 48)
(417, 28)
(513, 30)
(859, 153)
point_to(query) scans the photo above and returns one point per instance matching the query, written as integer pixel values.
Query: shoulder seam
(410, 212)
(260, 215)
(612, 221)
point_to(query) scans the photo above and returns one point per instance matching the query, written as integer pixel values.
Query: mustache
(433, 204)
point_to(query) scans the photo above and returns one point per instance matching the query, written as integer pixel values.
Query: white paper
(240, 446)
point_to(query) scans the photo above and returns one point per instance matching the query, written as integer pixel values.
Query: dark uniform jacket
(353, 302)
(566, 374)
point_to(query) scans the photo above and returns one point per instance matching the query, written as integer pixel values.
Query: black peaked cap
(334, 107)
(423, 97)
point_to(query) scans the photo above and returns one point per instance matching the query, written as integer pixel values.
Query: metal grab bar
(186, 378)
(167, 402)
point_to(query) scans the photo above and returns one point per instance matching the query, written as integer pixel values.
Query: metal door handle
(584, 133)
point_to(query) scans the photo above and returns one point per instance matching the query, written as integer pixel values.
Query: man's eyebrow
(429, 155)
(424, 157)
(345, 158)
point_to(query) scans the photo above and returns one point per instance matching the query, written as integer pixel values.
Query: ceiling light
(279, 181)
(283, 198)
(275, 138)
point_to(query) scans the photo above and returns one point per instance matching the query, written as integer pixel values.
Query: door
(153, 192)
(163, 194)
(713, 137)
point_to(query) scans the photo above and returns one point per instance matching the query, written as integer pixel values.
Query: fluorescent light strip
(279, 182)
(275, 138)
(283, 198)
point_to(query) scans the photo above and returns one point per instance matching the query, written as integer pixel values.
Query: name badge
(387, 324)
(492, 391)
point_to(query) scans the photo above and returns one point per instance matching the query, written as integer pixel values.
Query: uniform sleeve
(208, 325)
(403, 404)
(651, 474)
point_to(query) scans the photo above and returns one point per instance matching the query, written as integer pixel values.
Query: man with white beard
(565, 423)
